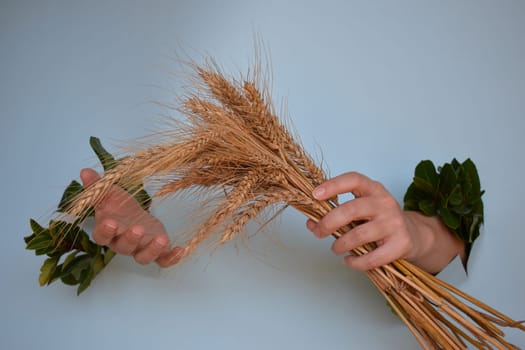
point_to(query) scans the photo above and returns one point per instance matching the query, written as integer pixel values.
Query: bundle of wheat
(232, 145)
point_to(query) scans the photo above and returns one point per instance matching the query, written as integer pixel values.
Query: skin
(422, 240)
(122, 225)
(125, 227)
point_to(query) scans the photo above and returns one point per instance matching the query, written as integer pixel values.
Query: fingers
(354, 182)
(121, 225)
(123, 241)
(134, 242)
(391, 247)
(88, 177)
(380, 256)
(360, 235)
(105, 232)
(152, 250)
(382, 217)
(355, 210)
(128, 242)
(170, 258)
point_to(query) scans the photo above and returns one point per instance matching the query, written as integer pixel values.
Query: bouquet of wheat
(232, 146)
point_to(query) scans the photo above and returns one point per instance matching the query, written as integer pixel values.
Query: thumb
(88, 177)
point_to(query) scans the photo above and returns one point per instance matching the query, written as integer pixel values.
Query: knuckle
(100, 237)
(355, 263)
(323, 227)
(406, 245)
(158, 245)
(390, 202)
(350, 262)
(370, 261)
(340, 245)
(355, 175)
(376, 184)
(397, 224)
(359, 235)
(369, 185)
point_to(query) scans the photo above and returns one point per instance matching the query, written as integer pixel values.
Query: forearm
(437, 245)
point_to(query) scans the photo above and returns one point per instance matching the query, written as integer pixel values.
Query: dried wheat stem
(443, 335)
(456, 330)
(427, 277)
(400, 311)
(473, 314)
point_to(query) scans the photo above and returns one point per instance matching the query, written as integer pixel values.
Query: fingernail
(318, 192)
(110, 227)
(310, 225)
(137, 233)
(315, 231)
(182, 253)
(175, 258)
(158, 243)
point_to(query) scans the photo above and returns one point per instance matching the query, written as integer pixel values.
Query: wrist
(453, 194)
(435, 244)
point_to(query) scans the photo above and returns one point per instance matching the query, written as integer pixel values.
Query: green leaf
(428, 207)
(426, 171)
(455, 165)
(462, 210)
(471, 173)
(58, 229)
(86, 276)
(97, 264)
(108, 255)
(411, 198)
(56, 274)
(29, 238)
(47, 270)
(423, 185)
(89, 247)
(449, 218)
(447, 182)
(77, 264)
(455, 198)
(41, 241)
(477, 220)
(69, 279)
(106, 159)
(35, 226)
(143, 198)
(42, 251)
(71, 191)
(69, 259)
(73, 235)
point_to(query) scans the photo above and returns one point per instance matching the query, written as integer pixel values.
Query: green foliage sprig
(453, 192)
(72, 256)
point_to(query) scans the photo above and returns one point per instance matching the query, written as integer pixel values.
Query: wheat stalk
(231, 139)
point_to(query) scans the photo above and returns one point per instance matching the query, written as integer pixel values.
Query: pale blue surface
(377, 86)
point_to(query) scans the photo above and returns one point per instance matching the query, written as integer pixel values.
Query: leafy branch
(453, 192)
(72, 257)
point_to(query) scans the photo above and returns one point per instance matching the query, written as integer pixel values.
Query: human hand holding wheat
(398, 234)
(125, 227)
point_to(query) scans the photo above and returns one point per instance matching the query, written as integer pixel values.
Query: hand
(425, 241)
(122, 225)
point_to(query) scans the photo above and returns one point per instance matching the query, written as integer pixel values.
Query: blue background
(377, 86)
